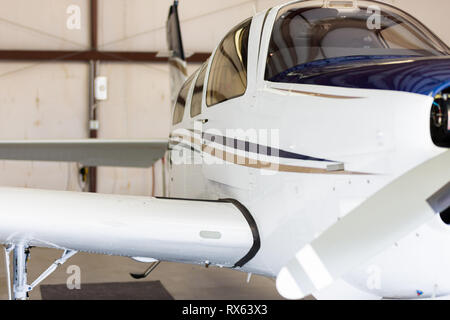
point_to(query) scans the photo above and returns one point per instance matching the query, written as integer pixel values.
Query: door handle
(202, 121)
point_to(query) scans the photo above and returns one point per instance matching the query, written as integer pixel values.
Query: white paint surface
(138, 102)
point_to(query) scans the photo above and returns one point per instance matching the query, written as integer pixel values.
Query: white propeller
(388, 216)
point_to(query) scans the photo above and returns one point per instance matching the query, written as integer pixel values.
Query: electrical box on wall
(101, 88)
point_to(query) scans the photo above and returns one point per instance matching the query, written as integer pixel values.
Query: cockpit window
(306, 33)
(228, 75)
(180, 105)
(196, 103)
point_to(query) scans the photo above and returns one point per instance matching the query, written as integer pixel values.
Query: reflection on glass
(305, 33)
(228, 75)
(178, 113)
(196, 103)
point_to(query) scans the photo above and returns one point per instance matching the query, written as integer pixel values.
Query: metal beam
(93, 131)
(94, 24)
(86, 56)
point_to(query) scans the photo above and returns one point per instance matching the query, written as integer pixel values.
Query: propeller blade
(385, 218)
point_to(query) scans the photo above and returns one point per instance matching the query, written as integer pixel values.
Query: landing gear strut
(147, 272)
(21, 254)
(20, 258)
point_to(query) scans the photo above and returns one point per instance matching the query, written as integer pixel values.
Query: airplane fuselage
(330, 149)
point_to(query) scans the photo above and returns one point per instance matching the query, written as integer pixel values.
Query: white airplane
(312, 147)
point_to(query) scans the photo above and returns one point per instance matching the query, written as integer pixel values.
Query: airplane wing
(388, 216)
(219, 233)
(118, 153)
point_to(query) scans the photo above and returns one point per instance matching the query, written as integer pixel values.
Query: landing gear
(20, 259)
(8, 250)
(21, 254)
(147, 272)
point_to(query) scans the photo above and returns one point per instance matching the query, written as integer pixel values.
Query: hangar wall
(50, 100)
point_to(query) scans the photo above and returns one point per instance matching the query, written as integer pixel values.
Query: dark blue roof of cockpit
(427, 76)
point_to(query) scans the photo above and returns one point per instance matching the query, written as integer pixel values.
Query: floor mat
(108, 291)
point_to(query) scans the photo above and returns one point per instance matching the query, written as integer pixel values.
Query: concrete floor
(182, 281)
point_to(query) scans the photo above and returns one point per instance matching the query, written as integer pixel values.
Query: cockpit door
(229, 103)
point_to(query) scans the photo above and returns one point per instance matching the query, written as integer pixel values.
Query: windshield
(305, 33)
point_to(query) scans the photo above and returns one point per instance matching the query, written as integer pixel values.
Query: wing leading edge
(113, 153)
(189, 231)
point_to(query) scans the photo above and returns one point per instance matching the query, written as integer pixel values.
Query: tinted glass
(196, 103)
(178, 112)
(303, 34)
(228, 76)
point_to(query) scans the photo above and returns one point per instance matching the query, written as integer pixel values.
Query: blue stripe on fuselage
(427, 76)
(259, 149)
